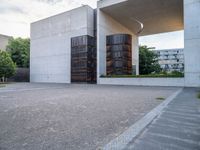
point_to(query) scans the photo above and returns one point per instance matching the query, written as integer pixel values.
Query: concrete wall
(50, 56)
(105, 3)
(4, 41)
(192, 42)
(106, 25)
(51, 47)
(22, 75)
(177, 82)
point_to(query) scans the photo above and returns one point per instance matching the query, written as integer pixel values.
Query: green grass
(144, 76)
(2, 85)
(160, 98)
(173, 74)
(198, 95)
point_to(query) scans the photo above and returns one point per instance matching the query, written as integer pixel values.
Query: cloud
(16, 15)
(50, 1)
(6, 8)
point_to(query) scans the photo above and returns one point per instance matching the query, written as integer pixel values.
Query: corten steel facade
(83, 59)
(119, 54)
(50, 56)
(51, 38)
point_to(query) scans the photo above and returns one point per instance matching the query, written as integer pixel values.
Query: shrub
(7, 66)
(19, 50)
(198, 96)
(154, 75)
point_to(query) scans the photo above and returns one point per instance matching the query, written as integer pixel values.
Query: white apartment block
(171, 59)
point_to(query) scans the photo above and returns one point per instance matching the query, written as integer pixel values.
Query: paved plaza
(64, 116)
(177, 128)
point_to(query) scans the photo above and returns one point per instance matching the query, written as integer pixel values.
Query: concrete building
(50, 55)
(50, 38)
(171, 59)
(4, 41)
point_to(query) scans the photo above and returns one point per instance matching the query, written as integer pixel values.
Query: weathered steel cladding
(83, 59)
(119, 54)
(117, 39)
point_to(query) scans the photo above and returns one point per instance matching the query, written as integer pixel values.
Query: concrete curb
(122, 141)
(22, 90)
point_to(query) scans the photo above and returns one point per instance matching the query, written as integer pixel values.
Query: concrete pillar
(135, 52)
(192, 42)
(106, 25)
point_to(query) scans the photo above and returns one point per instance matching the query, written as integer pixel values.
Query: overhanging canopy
(157, 16)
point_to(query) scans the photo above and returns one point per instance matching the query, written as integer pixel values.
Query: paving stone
(71, 117)
(177, 128)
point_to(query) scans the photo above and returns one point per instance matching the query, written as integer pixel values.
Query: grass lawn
(145, 76)
(2, 85)
(198, 95)
(160, 98)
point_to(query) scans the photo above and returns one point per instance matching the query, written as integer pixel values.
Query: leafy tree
(19, 50)
(148, 62)
(7, 66)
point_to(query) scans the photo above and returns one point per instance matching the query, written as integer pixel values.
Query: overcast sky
(16, 16)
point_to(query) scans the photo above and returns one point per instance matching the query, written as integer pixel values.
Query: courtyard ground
(177, 128)
(64, 116)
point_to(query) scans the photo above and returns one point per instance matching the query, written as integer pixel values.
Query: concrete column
(135, 52)
(106, 25)
(192, 42)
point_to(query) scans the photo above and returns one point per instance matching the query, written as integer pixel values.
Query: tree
(148, 62)
(19, 50)
(7, 66)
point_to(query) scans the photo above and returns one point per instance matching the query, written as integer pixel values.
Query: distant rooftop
(173, 49)
(6, 36)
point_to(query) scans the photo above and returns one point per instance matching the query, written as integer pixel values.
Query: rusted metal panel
(83, 59)
(119, 54)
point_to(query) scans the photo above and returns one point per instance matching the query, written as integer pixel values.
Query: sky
(168, 40)
(16, 16)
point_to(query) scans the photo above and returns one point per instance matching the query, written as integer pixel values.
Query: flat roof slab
(157, 16)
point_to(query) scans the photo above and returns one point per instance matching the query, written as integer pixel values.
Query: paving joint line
(137, 128)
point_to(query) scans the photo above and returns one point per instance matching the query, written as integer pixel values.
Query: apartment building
(171, 59)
